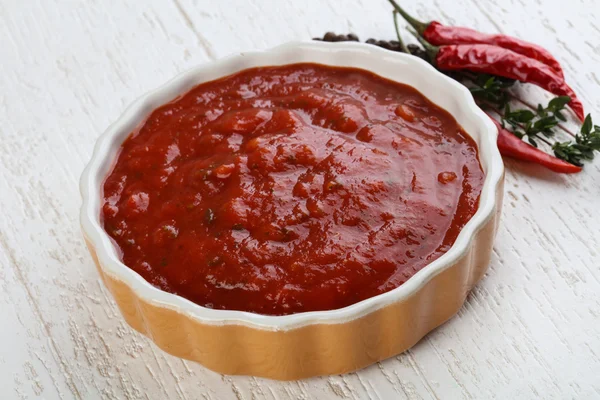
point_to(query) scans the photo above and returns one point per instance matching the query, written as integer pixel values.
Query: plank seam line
(190, 24)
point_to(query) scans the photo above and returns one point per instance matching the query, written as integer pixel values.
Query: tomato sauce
(280, 190)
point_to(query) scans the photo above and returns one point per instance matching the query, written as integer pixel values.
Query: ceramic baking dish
(312, 343)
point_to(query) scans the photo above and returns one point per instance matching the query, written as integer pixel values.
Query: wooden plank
(531, 329)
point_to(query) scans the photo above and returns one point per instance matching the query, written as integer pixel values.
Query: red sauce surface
(288, 189)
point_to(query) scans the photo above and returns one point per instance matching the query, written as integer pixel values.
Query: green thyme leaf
(587, 141)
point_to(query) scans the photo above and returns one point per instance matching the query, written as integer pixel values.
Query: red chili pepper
(498, 61)
(511, 146)
(438, 34)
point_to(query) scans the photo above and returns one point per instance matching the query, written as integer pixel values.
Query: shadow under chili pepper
(533, 170)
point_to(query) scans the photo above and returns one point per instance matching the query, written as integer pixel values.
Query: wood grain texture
(530, 329)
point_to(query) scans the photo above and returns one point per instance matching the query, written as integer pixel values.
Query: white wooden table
(530, 329)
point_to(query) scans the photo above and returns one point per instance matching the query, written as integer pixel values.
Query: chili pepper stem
(431, 50)
(402, 45)
(419, 26)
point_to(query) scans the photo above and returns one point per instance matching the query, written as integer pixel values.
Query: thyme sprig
(491, 89)
(538, 124)
(535, 125)
(586, 142)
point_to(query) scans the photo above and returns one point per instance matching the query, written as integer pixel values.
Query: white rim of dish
(347, 54)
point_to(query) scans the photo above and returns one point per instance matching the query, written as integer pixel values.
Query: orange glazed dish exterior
(281, 190)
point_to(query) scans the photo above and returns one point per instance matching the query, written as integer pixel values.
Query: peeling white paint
(531, 329)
